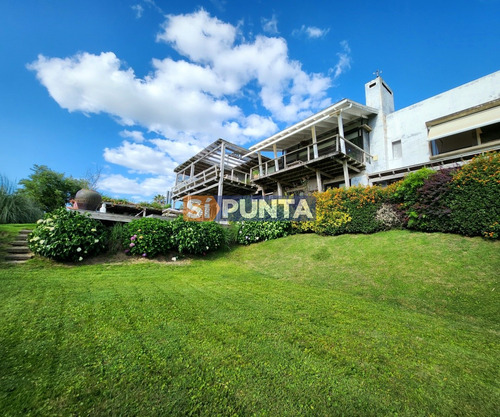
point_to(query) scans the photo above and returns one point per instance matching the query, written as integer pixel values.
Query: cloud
(140, 158)
(311, 32)
(270, 25)
(135, 135)
(117, 185)
(344, 61)
(138, 9)
(195, 99)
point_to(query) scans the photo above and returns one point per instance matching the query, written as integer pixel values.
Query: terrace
(220, 168)
(331, 146)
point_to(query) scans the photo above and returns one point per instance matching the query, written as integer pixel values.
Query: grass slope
(395, 323)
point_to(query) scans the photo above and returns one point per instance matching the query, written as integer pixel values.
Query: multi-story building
(350, 143)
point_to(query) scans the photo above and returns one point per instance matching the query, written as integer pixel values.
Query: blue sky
(135, 87)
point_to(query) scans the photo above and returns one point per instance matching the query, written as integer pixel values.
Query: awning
(465, 123)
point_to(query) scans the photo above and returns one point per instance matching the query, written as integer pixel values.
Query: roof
(325, 120)
(236, 156)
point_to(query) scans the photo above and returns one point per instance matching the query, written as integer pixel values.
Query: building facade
(350, 143)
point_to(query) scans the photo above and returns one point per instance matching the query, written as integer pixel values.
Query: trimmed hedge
(352, 210)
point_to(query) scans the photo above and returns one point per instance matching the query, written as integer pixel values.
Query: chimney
(379, 95)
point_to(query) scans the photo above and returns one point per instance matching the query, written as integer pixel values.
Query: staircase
(18, 251)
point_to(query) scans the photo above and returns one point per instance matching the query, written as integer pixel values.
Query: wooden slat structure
(330, 145)
(220, 168)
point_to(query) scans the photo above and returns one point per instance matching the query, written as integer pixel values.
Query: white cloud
(192, 101)
(312, 32)
(140, 189)
(135, 135)
(344, 62)
(270, 25)
(140, 158)
(138, 9)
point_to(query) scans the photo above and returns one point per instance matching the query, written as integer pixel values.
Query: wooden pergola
(315, 146)
(222, 168)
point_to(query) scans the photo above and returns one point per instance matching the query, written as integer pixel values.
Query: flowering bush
(66, 235)
(148, 237)
(197, 238)
(352, 210)
(256, 231)
(390, 217)
(475, 196)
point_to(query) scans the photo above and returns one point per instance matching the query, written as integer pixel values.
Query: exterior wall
(408, 124)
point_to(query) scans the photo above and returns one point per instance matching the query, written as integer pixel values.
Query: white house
(350, 143)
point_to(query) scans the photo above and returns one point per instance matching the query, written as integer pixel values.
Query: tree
(50, 189)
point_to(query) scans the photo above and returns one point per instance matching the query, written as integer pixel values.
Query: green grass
(395, 323)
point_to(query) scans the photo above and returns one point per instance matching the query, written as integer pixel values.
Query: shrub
(406, 190)
(475, 196)
(350, 210)
(66, 235)
(148, 237)
(116, 238)
(198, 238)
(431, 211)
(390, 217)
(16, 207)
(256, 231)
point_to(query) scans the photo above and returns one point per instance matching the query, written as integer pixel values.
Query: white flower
(80, 259)
(78, 249)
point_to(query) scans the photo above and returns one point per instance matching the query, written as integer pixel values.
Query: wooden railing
(309, 153)
(210, 174)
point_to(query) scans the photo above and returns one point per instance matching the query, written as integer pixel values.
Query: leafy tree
(50, 189)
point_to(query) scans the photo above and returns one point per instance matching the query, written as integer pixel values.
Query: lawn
(395, 323)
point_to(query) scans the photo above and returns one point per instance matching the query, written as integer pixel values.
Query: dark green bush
(475, 196)
(148, 237)
(198, 238)
(257, 231)
(66, 235)
(406, 190)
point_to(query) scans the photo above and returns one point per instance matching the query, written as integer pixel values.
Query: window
(397, 150)
(466, 139)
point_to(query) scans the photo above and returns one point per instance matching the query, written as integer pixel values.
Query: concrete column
(319, 181)
(341, 132)
(346, 175)
(221, 174)
(315, 141)
(276, 163)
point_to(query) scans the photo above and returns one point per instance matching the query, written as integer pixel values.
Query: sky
(132, 88)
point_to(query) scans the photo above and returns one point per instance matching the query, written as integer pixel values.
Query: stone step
(18, 256)
(18, 249)
(19, 242)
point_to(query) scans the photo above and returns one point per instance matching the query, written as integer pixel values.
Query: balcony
(329, 156)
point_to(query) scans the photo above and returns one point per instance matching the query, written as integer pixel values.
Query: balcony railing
(211, 174)
(309, 153)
